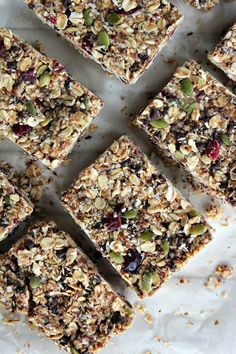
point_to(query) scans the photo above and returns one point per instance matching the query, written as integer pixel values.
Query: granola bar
(193, 122)
(14, 207)
(135, 217)
(48, 278)
(224, 55)
(204, 4)
(42, 109)
(123, 36)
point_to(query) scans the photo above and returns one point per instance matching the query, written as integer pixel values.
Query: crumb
(190, 323)
(92, 128)
(122, 98)
(214, 212)
(217, 322)
(10, 319)
(148, 318)
(181, 280)
(138, 307)
(212, 282)
(38, 46)
(224, 295)
(88, 137)
(171, 61)
(189, 34)
(161, 339)
(224, 271)
(124, 110)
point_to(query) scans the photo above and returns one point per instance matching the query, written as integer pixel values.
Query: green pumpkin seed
(88, 18)
(34, 282)
(147, 281)
(74, 350)
(155, 279)
(193, 213)
(225, 139)
(165, 247)
(85, 102)
(113, 19)
(103, 39)
(6, 200)
(186, 87)
(31, 107)
(113, 203)
(45, 122)
(147, 236)
(198, 229)
(42, 69)
(189, 107)
(159, 124)
(130, 214)
(44, 79)
(116, 257)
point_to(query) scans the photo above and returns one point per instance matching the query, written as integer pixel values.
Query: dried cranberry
(212, 149)
(28, 244)
(57, 67)
(2, 48)
(143, 57)
(134, 67)
(29, 76)
(133, 261)
(154, 113)
(21, 130)
(52, 19)
(12, 65)
(62, 252)
(113, 222)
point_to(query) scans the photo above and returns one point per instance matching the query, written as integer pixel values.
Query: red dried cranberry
(133, 260)
(57, 67)
(28, 76)
(212, 149)
(113, 222)
(52, 19)
(2, 48)
(21, 129)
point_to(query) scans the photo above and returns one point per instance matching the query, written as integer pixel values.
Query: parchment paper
(187, 317)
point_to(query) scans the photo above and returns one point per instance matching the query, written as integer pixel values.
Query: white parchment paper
(187, 317)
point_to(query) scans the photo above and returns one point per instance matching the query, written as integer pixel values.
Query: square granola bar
(193, 122)
(224, 55)
(48, 278)
(123, 36)
(42, 109)
(14, 207)
(135, 217)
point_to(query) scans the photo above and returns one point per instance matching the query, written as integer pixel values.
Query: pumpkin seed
(186, 86)
(198, 229)
(85, 102)
(225, 139)
(45, 122)
(88, 18)
(155, 279)
(130, 214)
(31, 107)
(42, 69)
(147, 236)
(165, 247)
(74, 350)
(116, 257)
(188, 107)
(113, 19)
(6, 200)
(159, 123)
(44, 79)
(193, 213)
(147, 281)
(103, 39)
(34, 282)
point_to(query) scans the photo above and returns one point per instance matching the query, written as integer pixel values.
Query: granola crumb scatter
(213, 282)
(192, 122)
(124, 37)
(214, 212)
(42, 109)
(217, 322)
(135, 217)
(138, 307)
(224, 56)
(46, 277)
(204, 4)
(224, 270)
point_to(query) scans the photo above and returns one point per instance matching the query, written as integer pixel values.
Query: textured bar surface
(42, 109)
(48, 278)
(123, 36)
(224, 54)
(14, 207)
(135, 217)
(193, 122)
